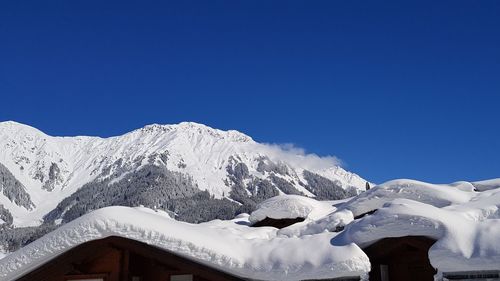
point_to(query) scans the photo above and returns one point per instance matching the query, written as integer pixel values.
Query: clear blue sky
(393, 88)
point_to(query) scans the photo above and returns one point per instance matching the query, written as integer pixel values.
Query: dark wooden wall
(406, 258)
(278, 223)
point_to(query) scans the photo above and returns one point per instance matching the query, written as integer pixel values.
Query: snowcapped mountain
(46, 178)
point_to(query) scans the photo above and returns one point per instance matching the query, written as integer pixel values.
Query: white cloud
(298, 157)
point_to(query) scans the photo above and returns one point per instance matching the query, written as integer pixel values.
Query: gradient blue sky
(396, 89)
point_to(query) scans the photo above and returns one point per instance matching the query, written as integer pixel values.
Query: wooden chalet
(121, 259)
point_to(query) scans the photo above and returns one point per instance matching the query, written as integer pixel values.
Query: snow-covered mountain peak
(12, 128)
(193, 130)
(18, 131)
(49, 168)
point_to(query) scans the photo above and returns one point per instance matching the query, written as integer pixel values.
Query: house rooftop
(228, 246)
(329, 243)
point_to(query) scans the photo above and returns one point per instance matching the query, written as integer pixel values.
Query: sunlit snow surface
(238, 249)
(192, 149)
(327, 244)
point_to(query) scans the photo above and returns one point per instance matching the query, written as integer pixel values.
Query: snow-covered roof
(487, 184)
(290, 207)
(464, 222)
(256, 253)
(461, 243)
(438, 195)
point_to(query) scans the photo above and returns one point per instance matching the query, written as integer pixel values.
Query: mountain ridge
(51, 168)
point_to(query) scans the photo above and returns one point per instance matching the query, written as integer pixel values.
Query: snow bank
(401, 217)
(290, 207)
(462, 244)
(263, 256)
(487, 184)
(432, 194)
(464, 223)
(485, 205)
(334, 222)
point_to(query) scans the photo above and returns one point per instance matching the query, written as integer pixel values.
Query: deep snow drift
(464, 222)
(237, 249)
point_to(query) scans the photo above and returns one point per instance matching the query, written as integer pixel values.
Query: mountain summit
(191, 170)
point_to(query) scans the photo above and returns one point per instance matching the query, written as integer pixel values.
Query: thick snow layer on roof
(401, 217)
(237, 249)
(290, 207)
(438, 195)
(484, 205)
(462, 244)
(330, 223)
(487, 184)
(475, 247)
(464, 222)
